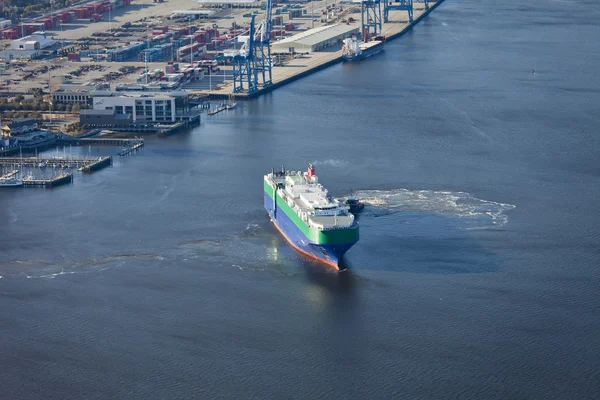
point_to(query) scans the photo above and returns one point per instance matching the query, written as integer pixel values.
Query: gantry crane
(406, 5)
(370, 18)
(254, 59)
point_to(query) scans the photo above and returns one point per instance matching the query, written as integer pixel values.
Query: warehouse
(314, 39)
(32, 43)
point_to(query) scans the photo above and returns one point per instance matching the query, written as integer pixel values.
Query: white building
(32, 42)
(143, 107)
(314, 39)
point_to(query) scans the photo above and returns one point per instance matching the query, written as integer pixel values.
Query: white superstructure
(351, 47)
(303, 193)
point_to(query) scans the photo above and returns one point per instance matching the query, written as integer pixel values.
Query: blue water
(476, 275)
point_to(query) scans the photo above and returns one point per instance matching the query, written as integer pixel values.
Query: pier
(62, 179)
(131, 149)
(97, 165)
(216, 110)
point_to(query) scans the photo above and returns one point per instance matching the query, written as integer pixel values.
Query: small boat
(231, 104)
(11, 180)
(354, 204)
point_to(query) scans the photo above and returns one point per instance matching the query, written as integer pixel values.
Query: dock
(97, 165)
(88, 164)
(62, 179)
(131, 149)
(217, 110)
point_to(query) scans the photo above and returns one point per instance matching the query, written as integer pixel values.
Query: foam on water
(459, 204)
(330, 162)
(38, 269)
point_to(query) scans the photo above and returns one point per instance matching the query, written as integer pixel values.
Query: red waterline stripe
(331, 264)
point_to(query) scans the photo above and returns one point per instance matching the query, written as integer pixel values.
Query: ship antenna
(283, 169)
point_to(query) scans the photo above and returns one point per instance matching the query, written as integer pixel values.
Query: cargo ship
(353, 49)
(308, 217)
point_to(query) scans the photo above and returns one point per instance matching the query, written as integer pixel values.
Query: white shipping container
(5, 23)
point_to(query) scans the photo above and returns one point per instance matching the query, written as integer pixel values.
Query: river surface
(476, 275)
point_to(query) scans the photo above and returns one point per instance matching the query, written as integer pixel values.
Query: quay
(58, 180)
(305, 65)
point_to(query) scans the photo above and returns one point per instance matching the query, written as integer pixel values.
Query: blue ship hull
(367, 53)
(329, 254)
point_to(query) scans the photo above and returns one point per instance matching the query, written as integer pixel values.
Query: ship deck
(329, 221)
(368, 45)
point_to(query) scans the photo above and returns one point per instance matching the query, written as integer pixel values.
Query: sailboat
(231, 104)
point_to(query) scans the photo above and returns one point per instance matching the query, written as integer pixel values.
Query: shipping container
(5, 24)
(10, 34)
(73, 57)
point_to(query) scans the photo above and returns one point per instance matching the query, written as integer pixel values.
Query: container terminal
(213, 48)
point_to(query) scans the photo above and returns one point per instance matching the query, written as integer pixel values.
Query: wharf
(58, 180)
(305, 65)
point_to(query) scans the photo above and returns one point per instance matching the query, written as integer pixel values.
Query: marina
(51, 171)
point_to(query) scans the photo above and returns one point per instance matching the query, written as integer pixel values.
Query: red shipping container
(73, 57)
(10, 34)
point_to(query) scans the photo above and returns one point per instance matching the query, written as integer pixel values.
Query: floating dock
(69, 162)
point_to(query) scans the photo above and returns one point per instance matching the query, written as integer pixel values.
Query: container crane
(406, 5)
(244, 64)
(254, 58)
(370, 18)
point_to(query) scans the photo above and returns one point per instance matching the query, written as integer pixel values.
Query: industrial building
(36, 41)
(27, 48)
(314, 39)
